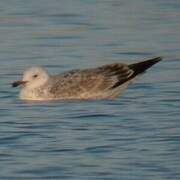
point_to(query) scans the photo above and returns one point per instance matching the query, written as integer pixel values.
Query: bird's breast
(31, 94)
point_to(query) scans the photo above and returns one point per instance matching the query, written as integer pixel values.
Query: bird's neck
(30, 94)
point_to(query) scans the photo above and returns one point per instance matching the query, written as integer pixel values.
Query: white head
(33, 78)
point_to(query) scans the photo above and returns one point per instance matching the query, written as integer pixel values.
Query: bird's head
(33, 78)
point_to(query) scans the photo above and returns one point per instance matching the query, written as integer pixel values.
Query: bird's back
(92, 83)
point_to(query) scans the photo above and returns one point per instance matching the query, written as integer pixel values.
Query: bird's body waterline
(105, 82)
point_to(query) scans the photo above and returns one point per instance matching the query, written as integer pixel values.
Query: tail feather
(141, 67)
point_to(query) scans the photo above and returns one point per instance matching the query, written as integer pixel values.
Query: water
(134, 137)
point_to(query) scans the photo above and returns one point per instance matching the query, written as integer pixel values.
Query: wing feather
(90, 80)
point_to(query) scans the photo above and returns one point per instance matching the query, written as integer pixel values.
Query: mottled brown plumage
(107, 81)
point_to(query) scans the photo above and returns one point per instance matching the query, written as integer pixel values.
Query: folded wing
(90, 80)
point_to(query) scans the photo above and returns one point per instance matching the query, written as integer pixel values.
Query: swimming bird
(104, 82)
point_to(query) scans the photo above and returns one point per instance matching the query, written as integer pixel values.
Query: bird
(103, 82)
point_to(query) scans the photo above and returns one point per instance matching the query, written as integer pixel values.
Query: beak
(17, 83)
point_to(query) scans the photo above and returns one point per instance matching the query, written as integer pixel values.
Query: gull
(104, 82)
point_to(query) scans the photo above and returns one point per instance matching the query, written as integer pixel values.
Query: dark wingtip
(156, 59)
(141, 67)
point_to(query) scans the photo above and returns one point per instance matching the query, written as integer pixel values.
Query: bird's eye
(35, 76)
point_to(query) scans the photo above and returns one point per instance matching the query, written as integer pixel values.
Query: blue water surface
(136, 136)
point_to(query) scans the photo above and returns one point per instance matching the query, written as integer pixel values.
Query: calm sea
(135, 137)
